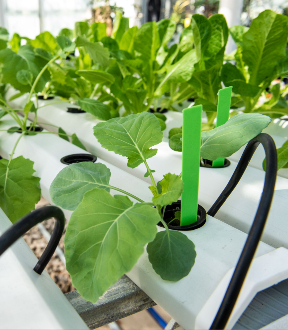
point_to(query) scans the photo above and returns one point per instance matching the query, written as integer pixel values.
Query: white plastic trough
(218, 245)
(28, 300)
(237, 211)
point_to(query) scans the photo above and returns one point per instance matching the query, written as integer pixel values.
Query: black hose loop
(29, 221)
(258, 224)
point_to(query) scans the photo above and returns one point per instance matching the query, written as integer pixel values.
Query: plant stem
(52, 103)
(127, 193)
(14, 148)
(94, 91)
(40, 74)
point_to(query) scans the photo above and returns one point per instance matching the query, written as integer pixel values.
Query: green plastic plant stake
(223, 110)
(191, 142)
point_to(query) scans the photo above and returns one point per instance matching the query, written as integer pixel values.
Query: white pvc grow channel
(218, 245)
(28, 300)
(237, 211)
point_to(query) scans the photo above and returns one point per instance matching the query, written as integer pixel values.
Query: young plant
(107, 234)
(260, 58)
(27, 71)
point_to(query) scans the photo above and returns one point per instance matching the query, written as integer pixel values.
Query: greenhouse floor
(56, 269)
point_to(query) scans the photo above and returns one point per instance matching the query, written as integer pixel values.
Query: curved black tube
(257, 227)
(29, 221)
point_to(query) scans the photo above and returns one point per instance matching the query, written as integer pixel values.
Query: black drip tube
(29, 221)
(258, 224)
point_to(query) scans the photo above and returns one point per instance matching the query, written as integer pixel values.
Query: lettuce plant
(260, 58)
(27, 71)
(107, 234)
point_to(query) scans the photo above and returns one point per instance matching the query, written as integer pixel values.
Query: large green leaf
(237, 32)
(96, 108)
(147, 50)
(207, 83)
(96, 51)
(46, 41)
(104, 239)
(201, 29)
(19, 189)
(97, 76)
(65, 44)
(179, 72)
(232, 76)
(264, 44)
(186, 40)
(166, 29)
(81, 29)
(98, 30)
(172, 255)
(127, 40)
(25, 59)
(172, 187)
(120, 26)
(218, 40)
(282, 67)
(226, 139)
(71, 183)
(15, 42)
(131, 136)
(66, 33)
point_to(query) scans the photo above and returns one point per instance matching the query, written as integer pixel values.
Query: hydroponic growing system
(169, 160)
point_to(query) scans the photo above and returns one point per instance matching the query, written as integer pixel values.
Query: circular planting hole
(41, 97)
(172, 213)
(28, 128)
(159, 110)
(208, 163)
(78, 158)
(75, 110)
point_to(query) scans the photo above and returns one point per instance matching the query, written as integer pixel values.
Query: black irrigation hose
(29, 221)
(258, 224)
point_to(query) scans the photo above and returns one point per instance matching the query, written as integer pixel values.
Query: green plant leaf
(96, 51)
(172, 188)
(237, 32)
(46, 41)
(19, 189)
(186, 40)
(175, 142)
(96, 108)
(104, 239)
(226, 139)
(97, 76)
(174, 131)
(179, 72)
(166, 29)
(15, 42)
(65, 44)
(63, 134)
(172, 255)
(25, 59)
(264, 44)
(218, 39)
(25, 77)
(207, 83)
(232, 76)
(71, 183)
(75, 140)
(66, 33)
(120, 26)
(131, 136)
(29, 107)
(207, 106)
(201, 29)
(98, 30)
(282, 157)
(127, 40)
(81, 29)
(147, 50)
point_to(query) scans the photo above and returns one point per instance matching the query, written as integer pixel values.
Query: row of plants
(118, 79)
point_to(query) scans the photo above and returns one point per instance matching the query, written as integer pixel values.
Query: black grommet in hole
(78, 158)
(28, 128)
(169, 215)
(75, 110)
(191, 99)
(208, 163)
(41, 97)
(159, 110)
